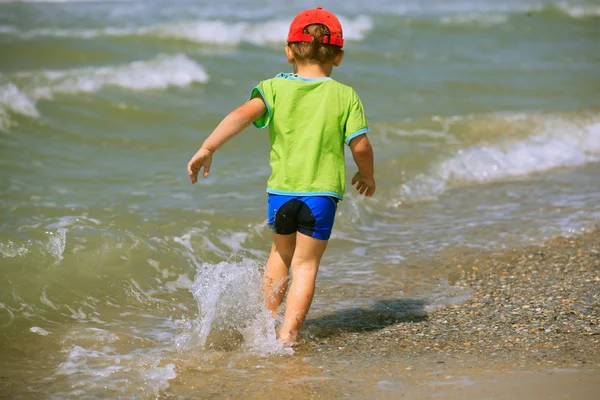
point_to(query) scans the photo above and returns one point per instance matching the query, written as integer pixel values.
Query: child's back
(310, 118)
(309, 121)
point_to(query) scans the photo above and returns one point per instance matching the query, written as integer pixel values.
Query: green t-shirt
(309, 121)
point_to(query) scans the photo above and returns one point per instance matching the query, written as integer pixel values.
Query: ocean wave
(579, 10)
(14, 101)
(68, 1)
(161, 72)
(491, 16)
(200, 31)
(274, 31)
(464, 10)
(573, 8)
(556, 143)
(480, 19)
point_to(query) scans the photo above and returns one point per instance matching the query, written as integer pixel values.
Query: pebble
(542, 303)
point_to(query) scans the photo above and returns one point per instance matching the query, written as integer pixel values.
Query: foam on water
(160, 73)
(579, 10)
(475, 19)
(115, 356)
(474, 12)
(39, 331)
(11, 249)
(200, 31)
(571, 7)
(68, 1)
(57, 242)
(12, 100)
(105, 370)
(54, 246)
(557, 143)
(274, 31)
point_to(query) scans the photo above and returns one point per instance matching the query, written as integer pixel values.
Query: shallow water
(118, 275)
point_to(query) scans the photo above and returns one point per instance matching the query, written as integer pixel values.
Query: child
(310, 117)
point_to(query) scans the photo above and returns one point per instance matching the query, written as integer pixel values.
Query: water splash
(56, 243)
(231, 310)
(11, 249)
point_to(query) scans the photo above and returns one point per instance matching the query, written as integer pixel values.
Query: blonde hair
(315, 51)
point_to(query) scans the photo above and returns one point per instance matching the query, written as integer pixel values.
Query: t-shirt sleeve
(356, 124)
(264, 90)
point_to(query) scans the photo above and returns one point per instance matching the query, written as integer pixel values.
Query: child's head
(316, 37)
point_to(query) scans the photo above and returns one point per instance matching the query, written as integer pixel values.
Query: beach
(473, 269)
(530, 330)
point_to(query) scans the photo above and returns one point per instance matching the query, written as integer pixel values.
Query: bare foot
(290, 340)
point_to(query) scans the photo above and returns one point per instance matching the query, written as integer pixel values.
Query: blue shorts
(310, 215)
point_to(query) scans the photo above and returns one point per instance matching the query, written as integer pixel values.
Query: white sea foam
(579, 10)
(557, 143)
(162, 72)
(105, 369)
(13, 100)
(45, 300)
(274, 31)
(56, 243)
(474, 19)
(200, 31)
(67, 1)
(574, 8)
(459, 9)
(11, 249)
(39, 331)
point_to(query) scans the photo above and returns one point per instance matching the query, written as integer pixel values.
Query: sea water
(119, 277)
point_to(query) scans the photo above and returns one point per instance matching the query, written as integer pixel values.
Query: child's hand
(202, 159)
(364, 185)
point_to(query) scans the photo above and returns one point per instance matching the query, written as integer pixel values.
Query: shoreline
(494, 345)
(544, 300)
(530, 330)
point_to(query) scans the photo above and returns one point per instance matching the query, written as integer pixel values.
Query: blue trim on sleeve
(355, 134)
(269, 114)
(286, 193)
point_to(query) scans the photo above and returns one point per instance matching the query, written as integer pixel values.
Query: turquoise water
(485, 120)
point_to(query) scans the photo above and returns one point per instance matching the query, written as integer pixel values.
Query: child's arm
(232, 124)
(363, 157)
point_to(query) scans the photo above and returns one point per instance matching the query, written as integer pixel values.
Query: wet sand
(534, 314)
(542, 301)
(529, 330)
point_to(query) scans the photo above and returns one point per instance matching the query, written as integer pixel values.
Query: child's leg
(277, 270)
(305, 264)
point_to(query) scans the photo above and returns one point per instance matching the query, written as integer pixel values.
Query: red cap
(316, 16)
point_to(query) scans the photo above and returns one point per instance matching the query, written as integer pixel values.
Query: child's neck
(307, 70)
